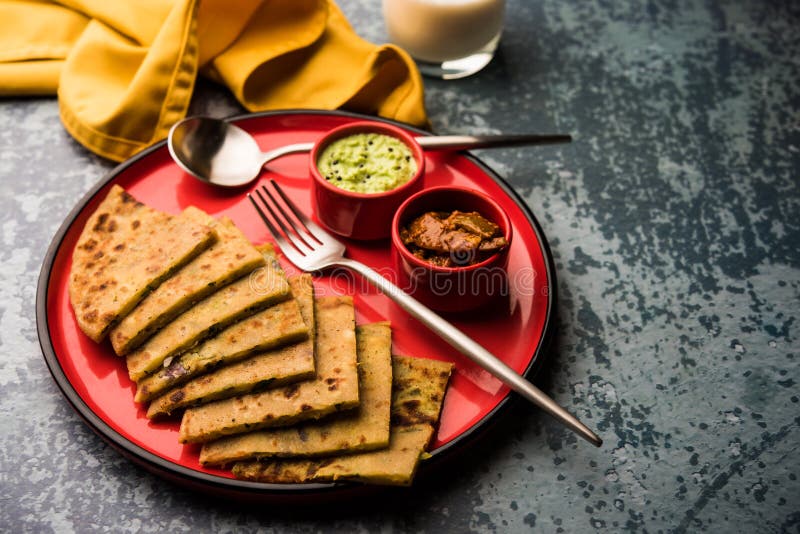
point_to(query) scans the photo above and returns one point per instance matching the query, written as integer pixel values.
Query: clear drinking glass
(448, 39)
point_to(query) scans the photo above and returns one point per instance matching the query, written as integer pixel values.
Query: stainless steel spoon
(220, 153)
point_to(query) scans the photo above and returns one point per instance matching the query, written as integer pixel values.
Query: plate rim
(214, 483)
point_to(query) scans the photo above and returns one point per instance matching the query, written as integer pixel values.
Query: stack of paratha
(269, 378)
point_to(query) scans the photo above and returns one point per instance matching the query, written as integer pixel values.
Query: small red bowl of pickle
(450, 248)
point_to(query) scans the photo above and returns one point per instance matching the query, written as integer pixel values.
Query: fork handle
(465, 345)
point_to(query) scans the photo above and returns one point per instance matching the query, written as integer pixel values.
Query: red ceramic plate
(95, 381)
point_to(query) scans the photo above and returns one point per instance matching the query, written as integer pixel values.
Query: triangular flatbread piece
(272, 327)
(125, 250)
(418, 394)
(334, 388)
(265, 287)
(363, 428)
(231, 257)
(395, 465)
(418, 389)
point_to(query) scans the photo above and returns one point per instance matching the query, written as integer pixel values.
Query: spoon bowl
(220, 153)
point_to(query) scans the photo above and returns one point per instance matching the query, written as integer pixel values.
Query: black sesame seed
(391, 149)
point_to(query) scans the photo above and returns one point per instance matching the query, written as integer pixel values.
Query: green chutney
(367, 163)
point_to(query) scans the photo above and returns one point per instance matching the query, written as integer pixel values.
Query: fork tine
(284, 236)
(288, 249)
(286, 222)
(301, 217)
(288, 231)
(272, 230)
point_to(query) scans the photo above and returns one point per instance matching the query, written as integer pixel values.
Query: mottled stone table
(673, 218)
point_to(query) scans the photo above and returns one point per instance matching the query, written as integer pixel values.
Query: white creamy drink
(437, 31)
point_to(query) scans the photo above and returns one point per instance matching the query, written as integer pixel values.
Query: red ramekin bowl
(362, 216)
(451, 289)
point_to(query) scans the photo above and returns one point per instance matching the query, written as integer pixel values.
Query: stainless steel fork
(313, 249)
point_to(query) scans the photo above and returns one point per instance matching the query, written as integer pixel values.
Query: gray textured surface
(673, 218)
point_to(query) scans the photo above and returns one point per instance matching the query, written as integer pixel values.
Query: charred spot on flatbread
(418, 390)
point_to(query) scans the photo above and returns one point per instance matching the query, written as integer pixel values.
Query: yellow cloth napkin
(124, 70)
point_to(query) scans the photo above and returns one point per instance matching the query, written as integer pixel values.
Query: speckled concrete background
(673, 218)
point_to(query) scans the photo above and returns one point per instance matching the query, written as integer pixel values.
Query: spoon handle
(445, 142)
(464, 142)
(284, 150)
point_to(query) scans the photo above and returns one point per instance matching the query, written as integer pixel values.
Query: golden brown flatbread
(418, 391)
(125, 250)
(395, 465)
(231, 257)
(268, 369)
(335, 387)
(256, 373)
(264, 287)
(364, 428)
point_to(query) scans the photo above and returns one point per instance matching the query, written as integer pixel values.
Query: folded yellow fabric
(124, 70)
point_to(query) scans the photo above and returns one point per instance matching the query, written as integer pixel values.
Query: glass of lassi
(448, 39)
